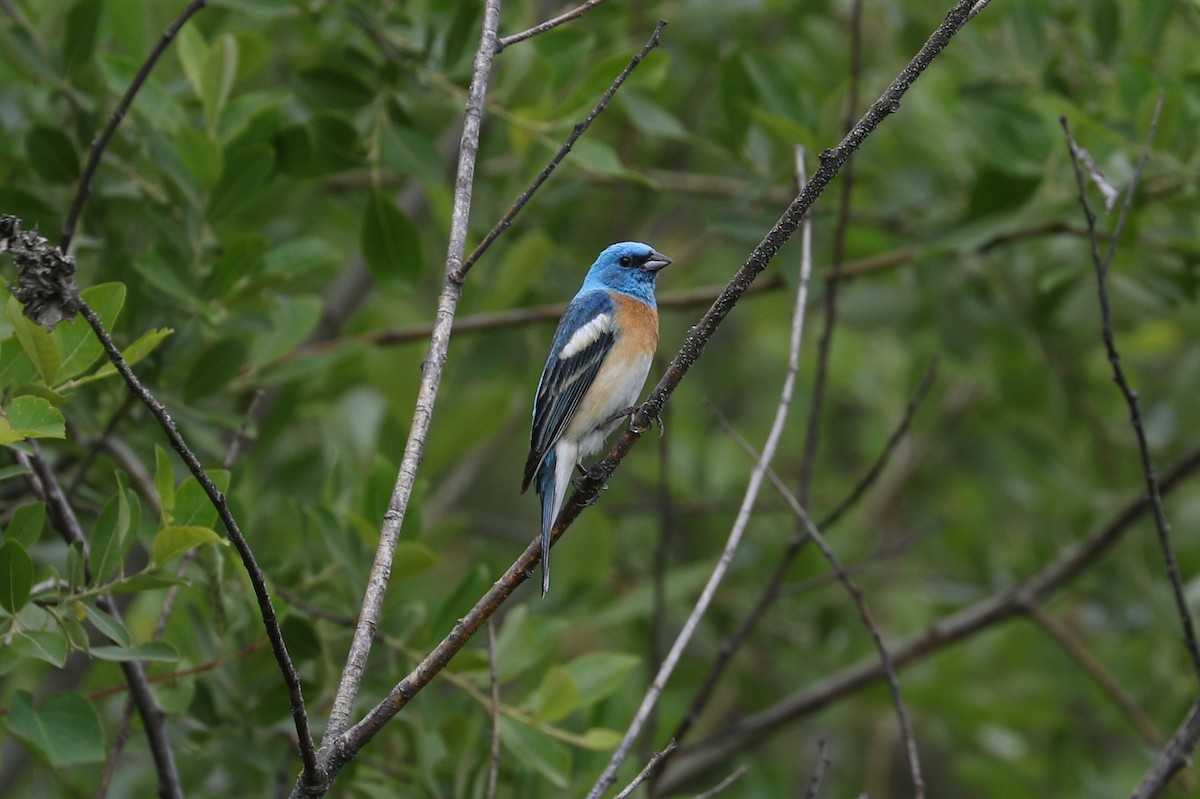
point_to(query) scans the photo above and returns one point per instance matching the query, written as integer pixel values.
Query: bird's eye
(625, 260)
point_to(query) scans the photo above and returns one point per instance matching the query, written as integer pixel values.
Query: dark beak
(656, 262)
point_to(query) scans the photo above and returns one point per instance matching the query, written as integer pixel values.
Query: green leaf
(111, 537)
(300, 256)
(34, 417)
(155, 651)
(390, 243)
(246, 171)
(219, 72)
(83, 20)
(412, 557)
(600, 674)
(65, 730)
(410, 152)
(649, 117)
(200, 155)
(290, 320)
(556, 696)
(109, 626)
(329, 86)
(601, 739)
(38, 344)
(15, 366)
(139, 349)
(77, 342)
(51, 647)
(176, 539)
(52, 154)
(537, 750)
(164, 482)
(27, 523)
(143, 581)
(16, 576)
(193, 52)
(242, 258)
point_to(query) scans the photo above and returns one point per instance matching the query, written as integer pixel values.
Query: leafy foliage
(280, 194)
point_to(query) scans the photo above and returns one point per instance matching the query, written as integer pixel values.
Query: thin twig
(864, 612)
(774, 586)
(553, 22)
(1005, 604)
(215, 496)
(100, 143)
(579, 129)
(63, 517)
(1177, 755)
(494, 765)
(431, 376)
(235, 446)
(1101, 264)
(814, 782)
(812, 433)
(645, 772)
(761, 467)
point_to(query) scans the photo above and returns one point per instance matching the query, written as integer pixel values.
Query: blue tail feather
(546, 489)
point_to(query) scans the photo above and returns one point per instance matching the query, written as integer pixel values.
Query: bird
(598, 363)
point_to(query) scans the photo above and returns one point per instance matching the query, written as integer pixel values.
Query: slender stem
(257, 579)
(1177, 755)
(431, 376)
(549, 24)
(494, 764)
(645, 772)
(100, 143)
(1102, 262)
(579, 129)
(64, 519)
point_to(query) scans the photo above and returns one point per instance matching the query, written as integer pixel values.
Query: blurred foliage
(284, 180)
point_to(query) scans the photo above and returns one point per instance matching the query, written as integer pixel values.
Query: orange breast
(639, 324)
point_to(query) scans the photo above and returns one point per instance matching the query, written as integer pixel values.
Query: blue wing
(581, 343)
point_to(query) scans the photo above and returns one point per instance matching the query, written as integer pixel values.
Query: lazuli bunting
(596, 368)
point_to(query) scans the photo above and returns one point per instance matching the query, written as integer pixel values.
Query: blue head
(629, 267)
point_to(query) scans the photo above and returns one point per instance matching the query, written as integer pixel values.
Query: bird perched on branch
(597, 365)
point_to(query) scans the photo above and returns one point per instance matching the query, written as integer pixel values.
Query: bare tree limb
(549, 24)
(1177, 755)
(576, 132)
(1101, 264)
(645, 772)
(431, 376)
(63, 517)
(100, 143)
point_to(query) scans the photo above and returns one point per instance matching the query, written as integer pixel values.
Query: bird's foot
(587, 479)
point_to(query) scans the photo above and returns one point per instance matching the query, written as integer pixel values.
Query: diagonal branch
(576, 132)
(1101, 262)
(100, 143)
(431, 376)
(63, 517)
(549, 24)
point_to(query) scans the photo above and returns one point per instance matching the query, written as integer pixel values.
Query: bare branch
(63, 517)
(576, 132)
(645, 772)
(818, 775)
(431, 375)
(1101, 264)
(100, 143)
(494, 765)
(549, 24)
(1176, 756)
(721, 786)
